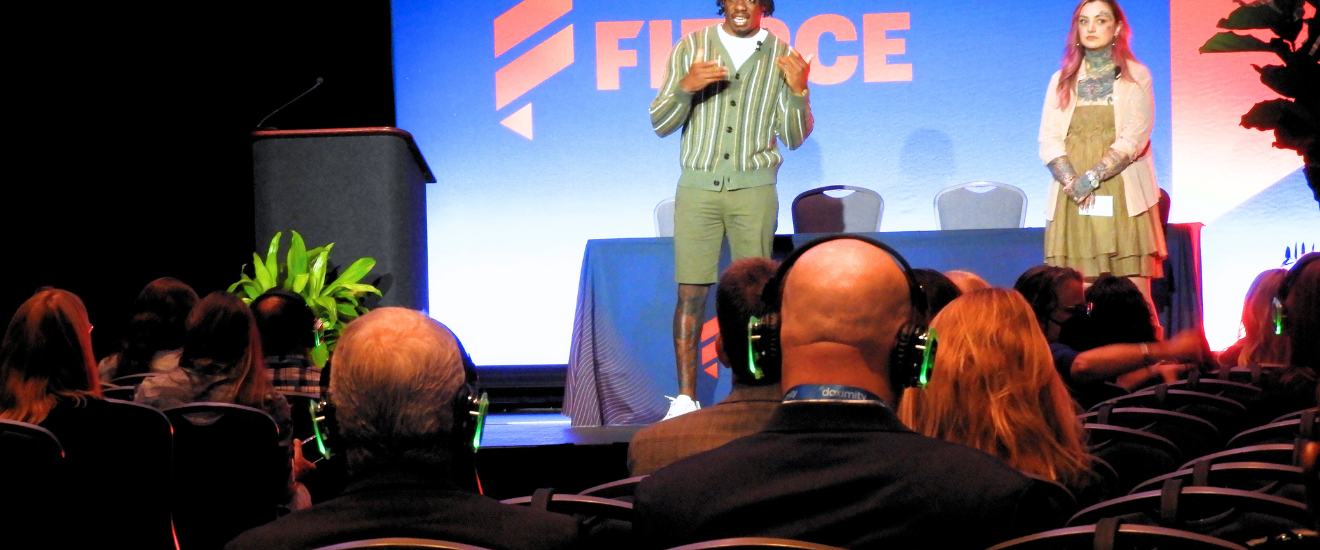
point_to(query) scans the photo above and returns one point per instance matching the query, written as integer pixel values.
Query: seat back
(136, 464)
(622, 489)
(1133, 454)
(1192, 435)
(1258, 477)
(401, 543)
(32, 473)
(837, 209)
(1228, 416)
(664, 218)
(123, 393)
(1108, 535)
(131, 380)
(754, 543)
(579, 505)
(226, 471)
(1303, 427)
(1274, 453)
(980, 205)
(1230, 514)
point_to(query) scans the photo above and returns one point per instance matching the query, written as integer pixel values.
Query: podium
(360, 188)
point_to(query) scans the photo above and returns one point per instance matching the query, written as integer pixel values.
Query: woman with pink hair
(1095, 130)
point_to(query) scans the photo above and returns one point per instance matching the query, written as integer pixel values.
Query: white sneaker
(681, 405)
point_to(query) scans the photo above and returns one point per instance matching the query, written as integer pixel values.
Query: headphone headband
(912, 357)
(773, 293)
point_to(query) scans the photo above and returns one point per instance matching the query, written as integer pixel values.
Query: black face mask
(1078, 333)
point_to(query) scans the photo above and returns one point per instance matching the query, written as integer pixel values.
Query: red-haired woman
(1095, 138)
(48, 377)
(994, 388)
(46, 362)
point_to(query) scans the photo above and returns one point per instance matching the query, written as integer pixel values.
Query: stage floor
(537, 429)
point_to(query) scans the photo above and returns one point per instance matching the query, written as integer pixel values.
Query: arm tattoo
(1111, 165)
(1063, 170)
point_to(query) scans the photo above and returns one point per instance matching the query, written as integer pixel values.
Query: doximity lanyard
(832, 393)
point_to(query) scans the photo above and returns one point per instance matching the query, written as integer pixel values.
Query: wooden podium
(360, 188)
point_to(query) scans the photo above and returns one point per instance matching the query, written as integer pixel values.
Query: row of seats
(845, 208)
(202, 472)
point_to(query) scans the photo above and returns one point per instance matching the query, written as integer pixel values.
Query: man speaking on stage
(733, 88)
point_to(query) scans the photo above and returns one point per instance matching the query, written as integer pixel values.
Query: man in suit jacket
(834, 465)
(750, 403)
(398, 376)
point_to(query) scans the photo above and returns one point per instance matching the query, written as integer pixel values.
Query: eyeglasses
(1079, 309)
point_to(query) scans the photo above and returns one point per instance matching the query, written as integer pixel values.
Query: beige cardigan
(1134, 116)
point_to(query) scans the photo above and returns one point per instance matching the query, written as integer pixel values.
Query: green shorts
(703, 218)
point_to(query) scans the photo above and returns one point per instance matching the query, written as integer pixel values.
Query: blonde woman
(994, 388)
(1259, 344)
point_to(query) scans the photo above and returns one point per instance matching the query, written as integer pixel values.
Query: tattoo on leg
(687, 334)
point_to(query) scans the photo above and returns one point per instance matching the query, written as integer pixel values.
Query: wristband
(1145, 354)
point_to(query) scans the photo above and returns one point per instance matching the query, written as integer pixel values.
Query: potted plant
(303, 272)
(1295, 118)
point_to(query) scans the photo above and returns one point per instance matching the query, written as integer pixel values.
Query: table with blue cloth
(621, 363)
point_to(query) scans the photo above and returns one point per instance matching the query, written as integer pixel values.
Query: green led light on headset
(757, 373)
(927, 358)
(1278, 315)
(320, 429)
(483, 405)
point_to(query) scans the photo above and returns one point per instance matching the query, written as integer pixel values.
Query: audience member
(288, 332)
(222, 362)
(48, 377)
(938, 288)
(397, 385)
(1259, 343)
(1059, 303)
(1295, 387)
(994, 388)
(834, 465)
(755, 394)
(46, 362)
(154, 335)
(966, 281)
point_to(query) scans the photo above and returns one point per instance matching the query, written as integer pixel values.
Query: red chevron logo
(534, 66)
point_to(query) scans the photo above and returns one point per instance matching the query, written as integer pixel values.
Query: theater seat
(1109, 534)
(753, 543)
(401, 543)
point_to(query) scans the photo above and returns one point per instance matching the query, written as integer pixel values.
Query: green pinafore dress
(1123, 245)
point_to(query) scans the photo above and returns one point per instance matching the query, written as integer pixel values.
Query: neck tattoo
(1097, 84)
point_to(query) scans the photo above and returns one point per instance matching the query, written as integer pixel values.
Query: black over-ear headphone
(1280, 313)
(470, 407)
(913, 355)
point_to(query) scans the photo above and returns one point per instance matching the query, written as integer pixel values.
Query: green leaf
(296, 261)
(354, 273)
(361, 289)
(299, 282)
(346, 311)
(329, 304)
(1257, 17)
(1227, 42)
(263, 275)
(1293, 81)
(316, 275)
(273, 264)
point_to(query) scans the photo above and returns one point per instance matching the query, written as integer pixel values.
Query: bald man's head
(843, 298)
(395, 376)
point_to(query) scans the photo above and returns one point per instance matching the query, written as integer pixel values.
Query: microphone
(261, 125)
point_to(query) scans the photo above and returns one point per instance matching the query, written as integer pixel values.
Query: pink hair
(1072, 52)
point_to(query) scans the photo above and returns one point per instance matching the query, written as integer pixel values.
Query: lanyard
(832, 393)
